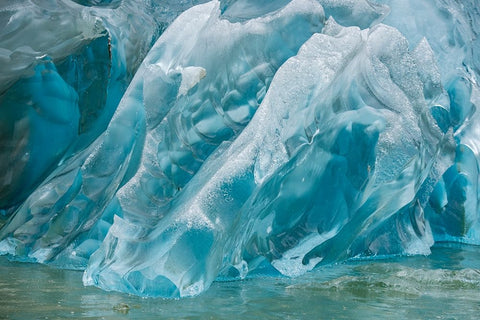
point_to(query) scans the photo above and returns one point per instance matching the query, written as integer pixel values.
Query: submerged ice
(251, 138)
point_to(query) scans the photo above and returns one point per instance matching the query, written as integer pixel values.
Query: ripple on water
(444, 285)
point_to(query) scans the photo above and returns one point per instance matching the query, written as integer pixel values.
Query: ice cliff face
(256, 137)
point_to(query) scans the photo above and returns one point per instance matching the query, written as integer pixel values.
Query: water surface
(444, 285)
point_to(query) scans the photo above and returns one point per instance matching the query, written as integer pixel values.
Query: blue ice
(163, 146)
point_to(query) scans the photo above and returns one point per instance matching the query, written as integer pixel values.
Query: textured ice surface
(255, 137)
(95, 49)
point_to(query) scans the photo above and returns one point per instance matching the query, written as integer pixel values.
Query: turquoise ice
(250, 138)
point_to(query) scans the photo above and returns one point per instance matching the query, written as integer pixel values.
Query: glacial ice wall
(253, 137)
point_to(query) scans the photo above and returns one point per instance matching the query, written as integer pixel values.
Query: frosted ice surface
(253, 137)
(299, 145)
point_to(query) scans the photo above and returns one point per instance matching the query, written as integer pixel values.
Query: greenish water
(444, 285)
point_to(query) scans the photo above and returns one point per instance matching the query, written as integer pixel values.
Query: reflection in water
(444, 285)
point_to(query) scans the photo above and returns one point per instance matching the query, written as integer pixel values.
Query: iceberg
(230, 139)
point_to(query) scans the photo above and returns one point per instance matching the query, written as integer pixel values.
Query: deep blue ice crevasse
(24, 52)
(73, 197)
(36, 109)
